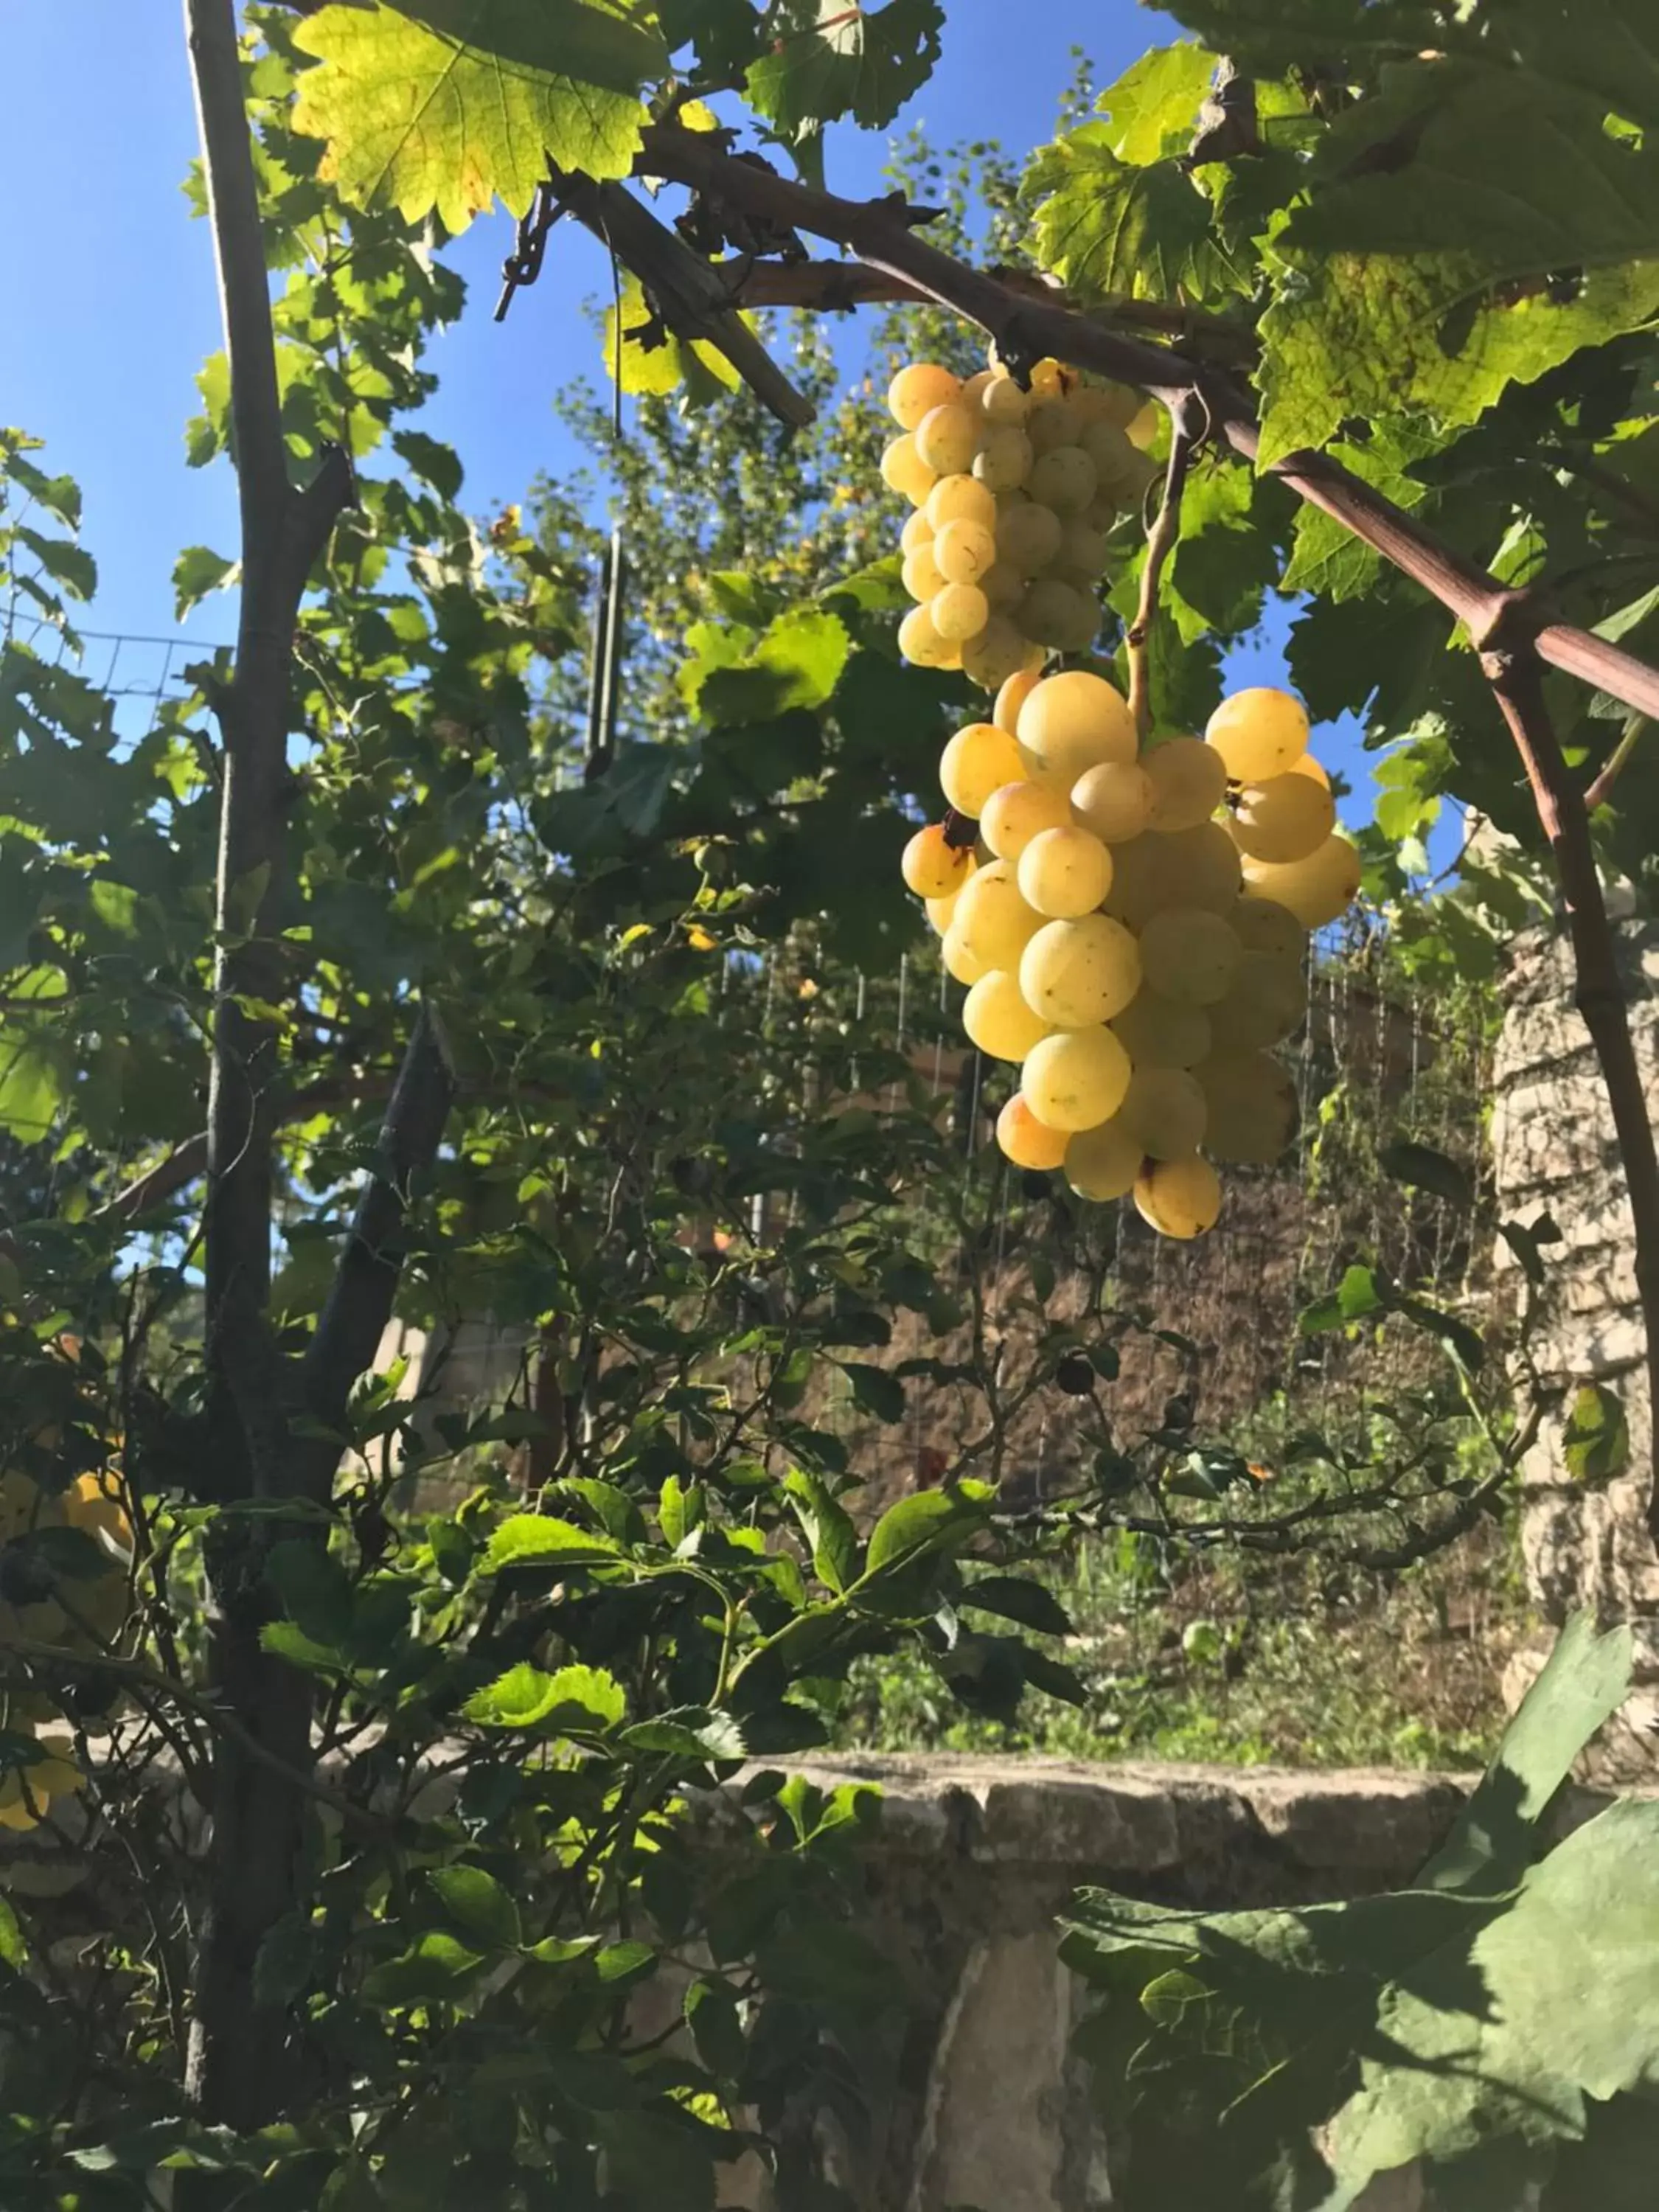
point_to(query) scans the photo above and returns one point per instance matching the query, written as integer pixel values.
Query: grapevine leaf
(1553, 2001)
(654, 361)
(196, 571)
(1596, 1442)
(1580, 1685)
(797, 662)
(465, 106)
(430, 459)
(1328, 562)
(829, 59)
(71, 565)
(435, 1966)
(1451, 156)
(1376, 335)
(1153, 109)
(1424, 1167)
(1109, 229)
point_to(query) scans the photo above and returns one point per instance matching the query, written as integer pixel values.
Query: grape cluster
(1014, 490)
(1132, 925)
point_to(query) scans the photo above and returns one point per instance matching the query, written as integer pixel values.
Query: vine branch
(1187, 424)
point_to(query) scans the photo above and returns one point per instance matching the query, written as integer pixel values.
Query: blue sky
(113, 303)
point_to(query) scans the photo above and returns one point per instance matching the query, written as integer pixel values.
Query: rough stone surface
(1554, 1153)
(965, 1872)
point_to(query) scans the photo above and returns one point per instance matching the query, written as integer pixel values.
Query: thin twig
(1635, 731)
(1186, 427)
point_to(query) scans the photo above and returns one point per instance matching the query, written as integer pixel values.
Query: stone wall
(981, 2103)
(1555, 1153)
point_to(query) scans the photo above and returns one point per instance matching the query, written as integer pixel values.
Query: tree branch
(1618, 760)
(1185, 428)
(879, 233)
(359, 1306)
(682, 286)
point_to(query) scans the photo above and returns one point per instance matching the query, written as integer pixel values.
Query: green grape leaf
(667, 361)
(1327, 561)
(71, 565)
(829, 60)
(1377, 335)
(196, 573)
(430, 459)
(1109, 229)
(466, 105)
(1552, 2001)
(434, 1968)
(1584, 1682)
(1152, 108)
(732, 678)
(1596, 1442)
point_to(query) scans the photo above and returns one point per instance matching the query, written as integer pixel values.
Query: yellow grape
(1018, 812)
(1074, 721)
(917, 531)
(1103, 1163)
(972, 390)
(1163, 1110)
(1142, 427)
(959, 612)
(939, 911)
(903, 471)
(977, 761)
(947, 438)
(1080, 972)
(1082, 547)
(1261, 924)
(1058, 614)
(1189, 955)
(1252, 1103)
(999, 1021)
(960, 960)
(1026, 1141)
(1267, 1001)
(1201, 867)
(1259, 733)
(1140, 881)
(1179, 1197)
(916, 390)
(1064, 479)
(1114, 799)
(991, 919)
(1028, 537)
(1003, 585)
(931, 867)
(919, 640)
(1004, 459)
(1075, 1078)
(1316, 889)
(1189, 782)
(1002, 401)
(1052, 423)
(998, 651)
(1051, 379)
(1159, 1032)
(1119, 471)
(1107, 403)
(964, 552)
(1102, 515)
(1064, 873)
(921, 574)
(1309, 766)
(1010, 697)
(1285, 819)
(960, 499)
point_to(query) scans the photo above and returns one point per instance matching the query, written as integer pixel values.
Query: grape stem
(1512, 628)
(1188, 425)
